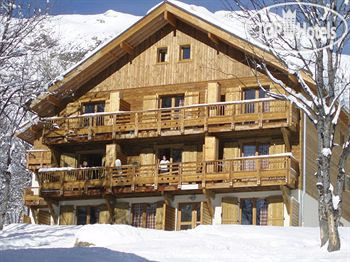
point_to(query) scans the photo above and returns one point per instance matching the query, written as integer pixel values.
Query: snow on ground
(27, 243)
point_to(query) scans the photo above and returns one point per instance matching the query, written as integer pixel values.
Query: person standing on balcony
(118, 166)
(164, 165)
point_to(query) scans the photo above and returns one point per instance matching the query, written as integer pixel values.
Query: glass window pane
(186, 213)
(94, 215)
(186, 52)
(185, 227)
(263, 149)
(247, 212)
(179, 101)
(100, 107)
(89, 108)
(261, 212)
(249, 150)
(81, 215)
(166, 101)
(249, 94)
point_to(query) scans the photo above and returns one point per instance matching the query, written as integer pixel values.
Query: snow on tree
(314, 64)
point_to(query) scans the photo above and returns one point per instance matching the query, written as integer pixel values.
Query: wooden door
(44, 217)
(275, 211)
(230, 211)
(189, 215)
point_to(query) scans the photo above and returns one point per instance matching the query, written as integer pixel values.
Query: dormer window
(185, 52)
(162, 55)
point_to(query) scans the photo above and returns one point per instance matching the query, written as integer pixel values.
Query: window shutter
(121, 213)
(104, 215)
(44, 217)
(206, 218)
(230, 213)
(150, 102)
(294, 212)
(159, 215)
(275, 211)
(169, 217)
(191, 98)
(66, 215)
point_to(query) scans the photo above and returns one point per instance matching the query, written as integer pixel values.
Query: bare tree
(18, 83)
(313, 63)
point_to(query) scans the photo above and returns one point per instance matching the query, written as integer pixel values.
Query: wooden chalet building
(177, 85)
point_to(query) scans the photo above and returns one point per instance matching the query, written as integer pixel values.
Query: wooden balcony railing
(272, 170)
(38, 158)
(220, 117)
(32, 199)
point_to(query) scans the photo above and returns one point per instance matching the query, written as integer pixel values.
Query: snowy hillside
(83, 31)
(28, 243)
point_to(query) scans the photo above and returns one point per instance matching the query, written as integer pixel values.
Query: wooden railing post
(182, 115)
(114, 127)
(133, 178)
(156, 174)
(159, 121)
(206, 116)
(136, 124)
(204, 171)
(258, 167)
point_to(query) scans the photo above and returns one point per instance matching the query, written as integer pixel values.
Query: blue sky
(136, 7)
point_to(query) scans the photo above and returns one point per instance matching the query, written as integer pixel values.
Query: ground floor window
(254, 212)
(144, 215)
(87, 215)
(189, 215)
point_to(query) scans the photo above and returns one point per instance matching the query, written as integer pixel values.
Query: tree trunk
(6, 192)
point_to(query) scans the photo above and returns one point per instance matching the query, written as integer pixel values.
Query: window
(254, 93)
(189, 215)
(144, 215)
(185, 52)
(87, 215)
(91, 108)
(255, 150)
(171, 101)
(254, 212)
(162, 55)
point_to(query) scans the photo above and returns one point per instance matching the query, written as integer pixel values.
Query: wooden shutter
(230, 212)
(191, 98)
(275, 211)
(121, 213)
(206, 218)
(68, 160)
(168, 217)
(277, 147)
(150, 102)
(232, 94)
(294, 212)
(104, 216)
(66, 215)
(160, 215)
(44, 217)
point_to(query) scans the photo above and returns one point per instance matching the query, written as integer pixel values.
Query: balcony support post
(52, 211)
(286, 197)
(110, 203)
(286, 138)
(209, 195)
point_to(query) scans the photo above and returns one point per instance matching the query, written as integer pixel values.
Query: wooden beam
(209, 195)
(213, 38)
(286, 138)
(168, 198)
(52, 211)
(286, 197)
(170, 18)
(110, 203)
(127, 48)
(35, 214)
(53, 101)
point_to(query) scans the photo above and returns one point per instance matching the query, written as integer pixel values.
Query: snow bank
(205, 243)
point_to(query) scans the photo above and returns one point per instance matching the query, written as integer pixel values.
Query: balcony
(38, 158)
(32, 199)
(220, 117)
(245, 172)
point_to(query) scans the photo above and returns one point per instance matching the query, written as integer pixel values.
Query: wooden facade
(166, 89)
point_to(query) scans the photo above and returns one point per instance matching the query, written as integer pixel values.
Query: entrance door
(254, 212)
(189, 215)
(173, 155)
